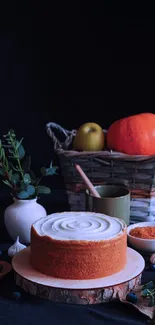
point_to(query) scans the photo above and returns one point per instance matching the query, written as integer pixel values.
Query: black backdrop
(72, 63)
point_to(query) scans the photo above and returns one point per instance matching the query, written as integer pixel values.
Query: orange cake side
(78, 259)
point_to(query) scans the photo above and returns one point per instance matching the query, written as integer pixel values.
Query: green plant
(148, 291)
(16, 172)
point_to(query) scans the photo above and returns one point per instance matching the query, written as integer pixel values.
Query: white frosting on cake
(79, 226)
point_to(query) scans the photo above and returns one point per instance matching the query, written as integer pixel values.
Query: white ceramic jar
(19, 216)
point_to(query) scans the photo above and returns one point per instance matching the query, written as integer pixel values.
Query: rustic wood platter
(93, 291)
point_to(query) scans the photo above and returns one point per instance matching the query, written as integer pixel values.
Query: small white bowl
(144, 245)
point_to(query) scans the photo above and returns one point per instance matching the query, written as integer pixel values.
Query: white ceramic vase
(19, 216)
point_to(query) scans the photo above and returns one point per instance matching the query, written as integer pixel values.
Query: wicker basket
(137, 173)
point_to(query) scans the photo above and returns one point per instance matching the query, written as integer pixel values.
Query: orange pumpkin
(133, 135)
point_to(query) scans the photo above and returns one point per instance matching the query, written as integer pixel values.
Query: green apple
(89, 137)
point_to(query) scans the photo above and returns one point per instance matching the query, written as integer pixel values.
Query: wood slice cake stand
(94, 291)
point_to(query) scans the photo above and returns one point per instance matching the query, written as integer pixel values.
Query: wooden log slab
(78, 296)
(93, 291)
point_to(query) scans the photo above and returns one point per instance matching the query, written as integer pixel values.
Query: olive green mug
(114, 201)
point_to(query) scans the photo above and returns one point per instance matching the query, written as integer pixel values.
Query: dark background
(72, 63)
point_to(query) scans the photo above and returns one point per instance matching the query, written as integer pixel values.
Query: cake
(78, 245)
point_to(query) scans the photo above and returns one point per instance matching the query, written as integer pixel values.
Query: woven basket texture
(137, 173)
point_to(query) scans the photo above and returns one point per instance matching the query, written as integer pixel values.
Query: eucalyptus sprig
(16, 172)
(148, 291)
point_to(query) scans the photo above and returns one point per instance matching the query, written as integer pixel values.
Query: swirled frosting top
(79, 226)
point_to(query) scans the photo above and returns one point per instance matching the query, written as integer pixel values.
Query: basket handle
(56, 142)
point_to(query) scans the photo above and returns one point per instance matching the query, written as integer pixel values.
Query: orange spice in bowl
(147, 232)
(141, 236)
